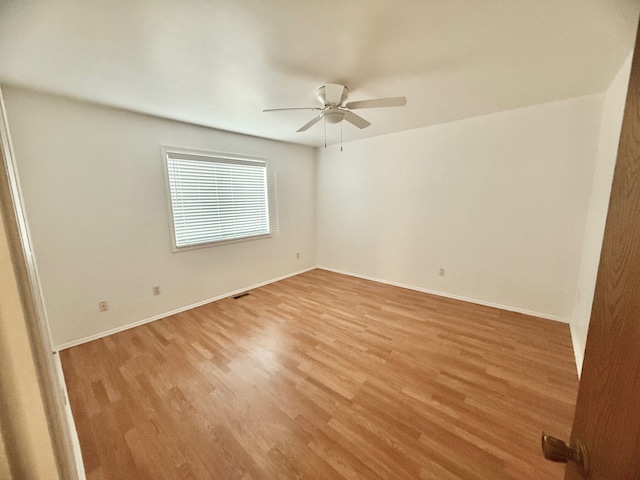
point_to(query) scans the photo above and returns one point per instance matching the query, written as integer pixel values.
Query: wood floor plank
(325, 376)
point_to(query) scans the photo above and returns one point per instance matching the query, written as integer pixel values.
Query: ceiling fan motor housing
(332, 94)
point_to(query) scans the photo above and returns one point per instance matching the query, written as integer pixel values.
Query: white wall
(598, 207)
(93, 184)
(499, 201)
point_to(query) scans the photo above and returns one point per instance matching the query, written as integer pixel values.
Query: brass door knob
(556, 450)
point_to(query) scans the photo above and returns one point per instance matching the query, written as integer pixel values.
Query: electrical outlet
(297, 254)
(103, 306)
(441, 272)
(156, 289)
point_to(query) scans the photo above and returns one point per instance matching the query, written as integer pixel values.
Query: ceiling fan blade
(309, 124)
(356, 120)
(294, 108)
(378, 102)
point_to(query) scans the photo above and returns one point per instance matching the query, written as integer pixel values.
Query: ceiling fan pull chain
(341, 135)
(325, 132)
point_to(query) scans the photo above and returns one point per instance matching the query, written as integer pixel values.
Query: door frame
(52, 387)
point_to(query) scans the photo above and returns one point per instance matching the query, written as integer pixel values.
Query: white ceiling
(220, 62)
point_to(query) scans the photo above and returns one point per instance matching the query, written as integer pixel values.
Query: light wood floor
(324, 376)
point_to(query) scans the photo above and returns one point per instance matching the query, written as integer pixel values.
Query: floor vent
(241, 295)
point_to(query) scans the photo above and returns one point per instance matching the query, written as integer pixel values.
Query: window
(218, 198)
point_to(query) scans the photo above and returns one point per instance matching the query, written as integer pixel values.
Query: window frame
(209, 155)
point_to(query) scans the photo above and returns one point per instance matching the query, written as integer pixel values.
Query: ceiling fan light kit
(332, 98)
(334, 115)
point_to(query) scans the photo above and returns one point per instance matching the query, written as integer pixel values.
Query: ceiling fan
(332, 97)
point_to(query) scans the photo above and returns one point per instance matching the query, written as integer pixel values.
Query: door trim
(52, 388)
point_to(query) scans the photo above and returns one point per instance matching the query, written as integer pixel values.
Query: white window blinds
(217, 199)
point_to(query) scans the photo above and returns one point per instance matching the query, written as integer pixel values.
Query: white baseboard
(452, 296)
(75, 442)
(578, 349)
(342, 272)
(173, 312)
